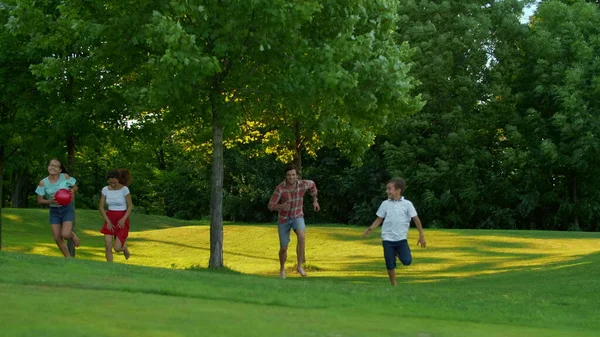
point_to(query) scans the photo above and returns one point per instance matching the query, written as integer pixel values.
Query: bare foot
(282, 274)
(76, 240)
(301, 271)
(127, 254)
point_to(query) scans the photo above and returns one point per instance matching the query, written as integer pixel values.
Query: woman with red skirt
(116, 219)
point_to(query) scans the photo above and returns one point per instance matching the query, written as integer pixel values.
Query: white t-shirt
(115, 199)
(396, 216)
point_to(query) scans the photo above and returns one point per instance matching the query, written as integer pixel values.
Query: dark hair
(399, 183)
(288, 168)
(122, 174)
(63, 169)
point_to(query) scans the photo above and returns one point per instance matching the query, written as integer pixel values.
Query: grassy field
(466, 283)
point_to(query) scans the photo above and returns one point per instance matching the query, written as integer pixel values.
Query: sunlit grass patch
(14, 218)
(331, 251)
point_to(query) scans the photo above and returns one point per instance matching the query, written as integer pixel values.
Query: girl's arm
(129, 206)
(109, 224)
(40, 197)
(101, 207)
(71, 183)
(121, 222)
(42, 201)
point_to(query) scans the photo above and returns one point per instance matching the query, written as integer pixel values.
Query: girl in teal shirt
(61, 217)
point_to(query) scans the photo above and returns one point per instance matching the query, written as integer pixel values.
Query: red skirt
(120, 233)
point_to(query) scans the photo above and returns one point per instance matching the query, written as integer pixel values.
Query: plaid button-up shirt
(295, 195)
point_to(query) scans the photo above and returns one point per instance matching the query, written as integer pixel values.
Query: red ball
(63, 197)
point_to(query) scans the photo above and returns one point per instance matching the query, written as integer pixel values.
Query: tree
(84, 68)
(556, 132)
(445, 150)
(207, 60)
(17, 96)
(346, 84)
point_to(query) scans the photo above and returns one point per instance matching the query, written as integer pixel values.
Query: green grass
(466, 283)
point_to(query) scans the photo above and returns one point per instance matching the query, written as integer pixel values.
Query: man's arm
(274, 201)
(312, 189)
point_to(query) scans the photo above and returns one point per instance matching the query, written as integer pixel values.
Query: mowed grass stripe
(111, 313)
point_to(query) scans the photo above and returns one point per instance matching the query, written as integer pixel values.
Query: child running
(396, 213)
(61, 217)
(116, 220)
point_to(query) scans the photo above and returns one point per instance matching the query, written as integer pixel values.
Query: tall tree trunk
(20, 190)
(71, 154)
(71, 169)
(1, 189)
(298, 148)
(574, 200)
(216, 204)
(160, 157)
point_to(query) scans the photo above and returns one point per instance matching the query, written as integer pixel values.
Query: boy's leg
(404, 253)
(389, 253)
(392, 276)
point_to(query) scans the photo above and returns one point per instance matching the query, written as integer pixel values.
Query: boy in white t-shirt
(396, 214)
(116, 219)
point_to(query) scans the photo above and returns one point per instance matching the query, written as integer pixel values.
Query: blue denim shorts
(399, 249)
(286, 227)
(61, 214)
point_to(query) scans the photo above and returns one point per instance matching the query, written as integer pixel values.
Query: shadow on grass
(223, 270)
(529, 277)
(526, 234)
(375, 240)
(225, 251)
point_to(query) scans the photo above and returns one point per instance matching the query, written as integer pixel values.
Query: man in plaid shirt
(287, 200)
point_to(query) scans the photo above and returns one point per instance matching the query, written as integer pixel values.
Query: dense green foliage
(494, 121)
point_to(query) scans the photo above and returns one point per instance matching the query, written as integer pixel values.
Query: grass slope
(467, 283)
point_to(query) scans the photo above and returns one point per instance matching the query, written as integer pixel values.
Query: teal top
(48, 190)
